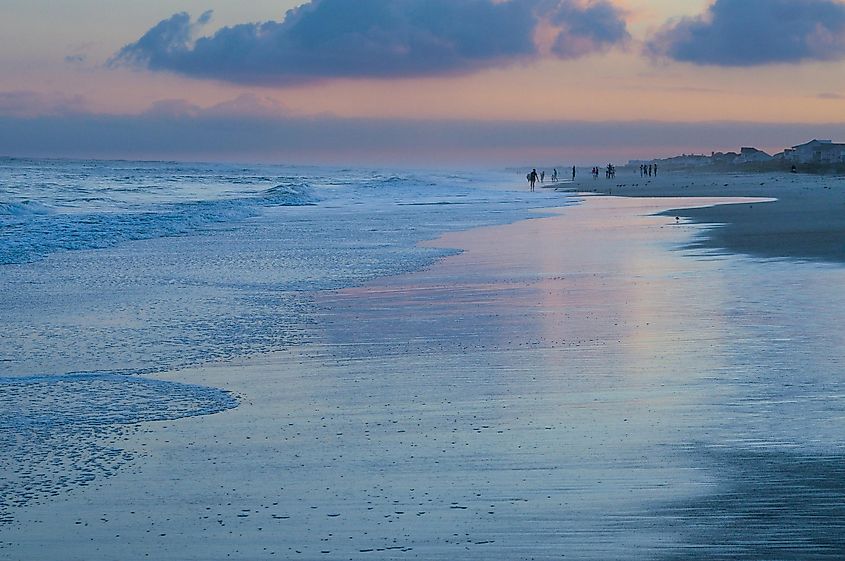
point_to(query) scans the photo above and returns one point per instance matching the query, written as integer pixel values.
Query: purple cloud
(755, 32)
(375, 39)
(587, 28)
(24, 103)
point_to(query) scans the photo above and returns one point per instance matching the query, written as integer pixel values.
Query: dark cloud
(180, 130)
(756, 32)
(375, 38)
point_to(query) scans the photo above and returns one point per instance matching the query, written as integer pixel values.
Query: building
(749, 155)
(723, 158)
(816, 152)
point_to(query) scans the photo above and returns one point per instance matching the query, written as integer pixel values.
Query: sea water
(604, 396)
(114, 269)
(127, 267)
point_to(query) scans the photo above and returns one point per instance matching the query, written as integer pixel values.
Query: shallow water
(180, 264)
(124, 269)
(600, 397)
(60, 433)
(571, 387)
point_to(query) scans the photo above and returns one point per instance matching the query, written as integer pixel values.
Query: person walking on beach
(554, 175)
(542, 176)
(573, 173)
(532, 178)
(655, 170)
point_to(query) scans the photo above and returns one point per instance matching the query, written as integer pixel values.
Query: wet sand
(585, 385)
(806, 222)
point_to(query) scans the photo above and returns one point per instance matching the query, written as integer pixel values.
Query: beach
(464, 280)
(600, 380)
(805, 222)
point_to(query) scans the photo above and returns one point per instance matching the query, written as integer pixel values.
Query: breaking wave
(32, 230)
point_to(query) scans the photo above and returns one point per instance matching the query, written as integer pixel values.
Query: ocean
(261, 362)
(111, 270)
(130, 267)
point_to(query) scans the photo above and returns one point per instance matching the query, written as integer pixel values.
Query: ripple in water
(58, 433)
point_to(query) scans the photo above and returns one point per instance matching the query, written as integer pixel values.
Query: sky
(418, 81)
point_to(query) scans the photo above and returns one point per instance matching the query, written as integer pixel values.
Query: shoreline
(805, 222)
(433, 404)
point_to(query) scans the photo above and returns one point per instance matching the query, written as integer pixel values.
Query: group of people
(533, 177)
(609, 171)
(648, 170)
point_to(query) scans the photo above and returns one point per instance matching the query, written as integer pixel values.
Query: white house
(816, 152)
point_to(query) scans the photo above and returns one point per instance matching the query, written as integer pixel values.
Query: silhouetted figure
(655, 170)
(573, 173)
(543, 176)
(554, 175)
(642, 170)
(532, 178)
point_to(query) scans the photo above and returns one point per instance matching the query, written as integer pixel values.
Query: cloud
(24, 103)
(247, 105)
(755, 32)
(375, 39)
(830, 95)
(29, 104)
(585, 29)
(172, 108)
(200, 134)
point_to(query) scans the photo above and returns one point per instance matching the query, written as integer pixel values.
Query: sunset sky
(417, 81)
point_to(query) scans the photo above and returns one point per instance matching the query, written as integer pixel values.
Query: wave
(394, 181)
(434, 203)
(296, 194)
(30, 231)
(23, 208)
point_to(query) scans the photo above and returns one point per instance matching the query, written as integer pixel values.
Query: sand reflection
(592, 351)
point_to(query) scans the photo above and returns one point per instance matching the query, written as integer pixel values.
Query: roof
(820, 144)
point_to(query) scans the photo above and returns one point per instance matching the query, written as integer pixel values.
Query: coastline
(806, 221)
(515, 400)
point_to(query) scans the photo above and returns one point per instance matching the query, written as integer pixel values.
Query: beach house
(816, 152)
(749, 155)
